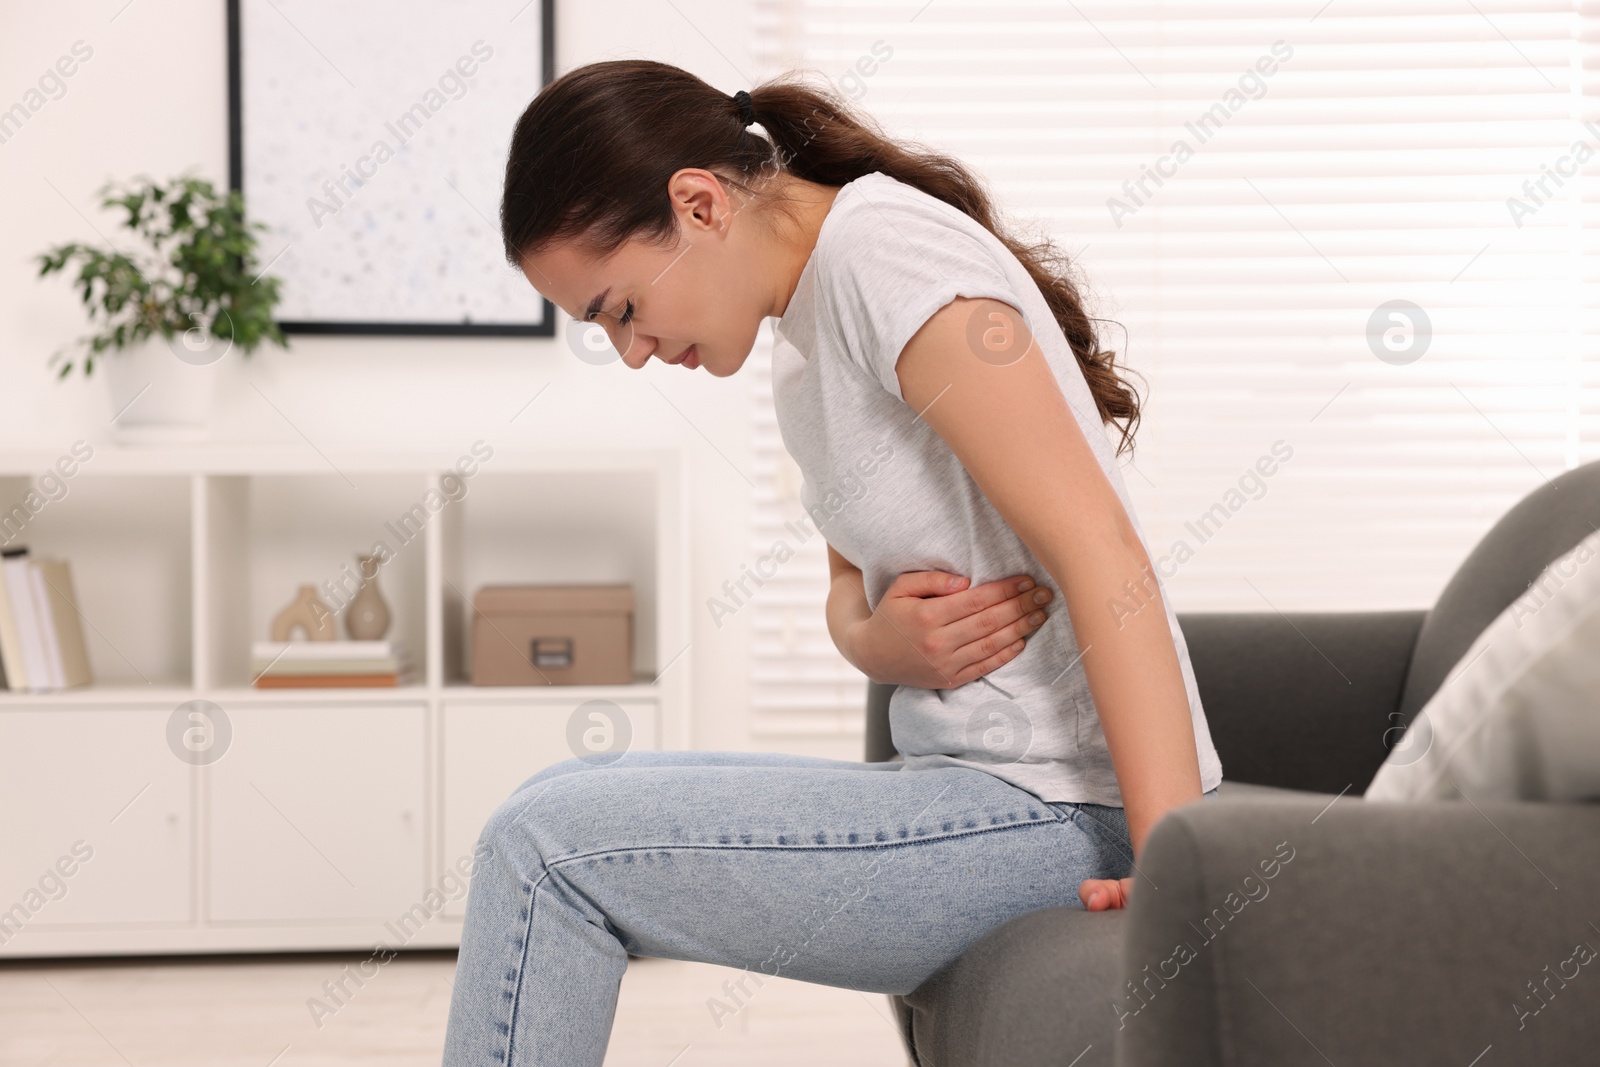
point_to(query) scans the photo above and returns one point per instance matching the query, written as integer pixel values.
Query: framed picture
(370, 136)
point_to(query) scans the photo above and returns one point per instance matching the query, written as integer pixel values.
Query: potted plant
(168, 314)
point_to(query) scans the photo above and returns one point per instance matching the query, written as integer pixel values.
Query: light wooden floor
(251, 1012)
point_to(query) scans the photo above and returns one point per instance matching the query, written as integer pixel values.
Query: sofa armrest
(1306, 930)
(1301, 700)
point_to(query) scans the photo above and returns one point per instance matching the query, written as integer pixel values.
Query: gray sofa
(1441, 933)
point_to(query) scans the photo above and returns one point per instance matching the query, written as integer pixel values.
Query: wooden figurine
(306, 612)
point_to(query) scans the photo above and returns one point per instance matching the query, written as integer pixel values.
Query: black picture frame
(546, 327)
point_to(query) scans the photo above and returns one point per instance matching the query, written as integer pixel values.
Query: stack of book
(307, 664)
(41, 639)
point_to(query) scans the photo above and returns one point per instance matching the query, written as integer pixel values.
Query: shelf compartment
(132, 815)
(263, 536)
(127, 541)
(550, 527)
(317, 813)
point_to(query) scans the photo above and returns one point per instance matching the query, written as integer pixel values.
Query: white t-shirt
(888, 493)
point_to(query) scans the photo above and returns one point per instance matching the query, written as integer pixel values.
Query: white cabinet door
(317, 814)
(95, 822)
(490, 749)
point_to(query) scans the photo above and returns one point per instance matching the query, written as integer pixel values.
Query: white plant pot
(161, 392)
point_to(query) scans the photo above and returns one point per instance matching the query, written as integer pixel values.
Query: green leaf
(198, 266)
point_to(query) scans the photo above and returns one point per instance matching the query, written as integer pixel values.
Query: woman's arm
(1013, 431)
(930, 630)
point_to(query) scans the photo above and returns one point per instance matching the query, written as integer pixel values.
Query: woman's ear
(699, 200)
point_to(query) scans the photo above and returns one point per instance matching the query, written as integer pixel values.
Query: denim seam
(680, 847)
(1112, 837)
(1107, 827)
(1077, 807)
(522, 967)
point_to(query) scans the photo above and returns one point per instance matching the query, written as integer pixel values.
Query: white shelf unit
(334, 817)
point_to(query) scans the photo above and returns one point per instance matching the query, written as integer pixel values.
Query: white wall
(153, 99)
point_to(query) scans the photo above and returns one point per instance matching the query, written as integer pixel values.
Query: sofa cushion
(1035, 990)
(1545, 525)
(1230, 790)
(1520, 717)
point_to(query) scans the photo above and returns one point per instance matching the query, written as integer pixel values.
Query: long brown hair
(592, 154)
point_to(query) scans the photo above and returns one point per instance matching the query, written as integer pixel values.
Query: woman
(940, 386)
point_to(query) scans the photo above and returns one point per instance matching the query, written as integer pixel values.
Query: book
(55, 679)
(267, 650)
(304, 664)
(64, 633)
(331, 667)
(330, 681)
(14, 565)
(10, 640)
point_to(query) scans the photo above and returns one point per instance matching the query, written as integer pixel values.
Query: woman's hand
(1103, 894)
(932, 632)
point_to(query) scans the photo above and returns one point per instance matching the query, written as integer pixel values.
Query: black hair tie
(747, 111)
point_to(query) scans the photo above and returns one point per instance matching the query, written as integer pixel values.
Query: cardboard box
(552, 635)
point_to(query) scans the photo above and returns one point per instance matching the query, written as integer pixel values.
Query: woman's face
(697, 301)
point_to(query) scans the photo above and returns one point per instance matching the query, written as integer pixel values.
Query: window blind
(1350, 242)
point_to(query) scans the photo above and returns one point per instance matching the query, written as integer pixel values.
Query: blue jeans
(859, 875)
